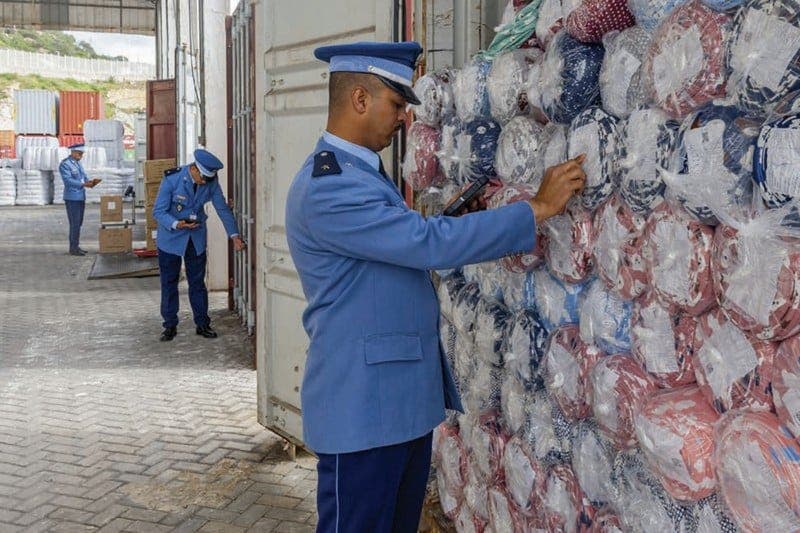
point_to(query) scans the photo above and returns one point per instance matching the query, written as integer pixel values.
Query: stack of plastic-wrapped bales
(639, 370)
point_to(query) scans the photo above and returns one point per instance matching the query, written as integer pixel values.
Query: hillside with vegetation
(49, 42)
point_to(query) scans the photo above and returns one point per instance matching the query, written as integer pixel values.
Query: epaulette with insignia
(171, 171)
(325, 164)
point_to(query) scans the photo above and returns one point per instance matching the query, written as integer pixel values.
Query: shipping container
(7, 144)
(161, 116)
(69, 140)
(35, 112)
(76, 107)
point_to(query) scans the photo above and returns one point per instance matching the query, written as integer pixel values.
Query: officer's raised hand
(238, 243)
(560, 183)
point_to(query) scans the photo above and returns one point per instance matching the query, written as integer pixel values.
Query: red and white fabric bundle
(519, 262)
(474, 514)
(734, 370)
(568, 243)
(786, 384)
(758, 468)
(685, 66)
(421, 164)
(619, 387)
(488, 440)
(525, 480)
(594, 18)
(615, 228)
(450, 458)
(568, 365)
(678, 255)
(502, 514)
(663, 342)
(565, 507)
(593, 463)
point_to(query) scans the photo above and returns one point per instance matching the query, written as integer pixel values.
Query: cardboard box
(148, 214)
(151, 234)
(154, 169)
(116, 240)
(111, 208)
(151, 192)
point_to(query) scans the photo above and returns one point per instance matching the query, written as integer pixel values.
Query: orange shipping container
(69, 140)
(75, 107)
(7, 144)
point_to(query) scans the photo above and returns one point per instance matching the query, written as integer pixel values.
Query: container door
(291, 99)
(161, 112)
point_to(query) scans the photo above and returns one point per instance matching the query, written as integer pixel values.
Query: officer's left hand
(476, 204)
(238, 244)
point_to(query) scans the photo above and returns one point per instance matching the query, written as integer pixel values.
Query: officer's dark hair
(341, 85)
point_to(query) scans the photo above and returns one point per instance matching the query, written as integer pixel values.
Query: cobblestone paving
(104, 428)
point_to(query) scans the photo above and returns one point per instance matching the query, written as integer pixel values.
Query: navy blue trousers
(169, 266)
(373, 491)
(75, 209)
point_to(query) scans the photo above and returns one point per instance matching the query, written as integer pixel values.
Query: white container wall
(35, 112)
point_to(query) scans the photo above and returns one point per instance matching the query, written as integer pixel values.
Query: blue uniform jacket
(375, 372)
(73, 176)
(177, 200)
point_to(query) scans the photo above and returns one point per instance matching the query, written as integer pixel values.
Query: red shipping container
(7, 144)
(75, 107)
(69, 140)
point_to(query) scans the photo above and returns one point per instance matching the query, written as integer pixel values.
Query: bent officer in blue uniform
(376, 383)
(179, 210)
(75, 184)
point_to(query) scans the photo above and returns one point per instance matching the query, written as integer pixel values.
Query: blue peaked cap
(79, 147)
(207, 163)
(392, 63)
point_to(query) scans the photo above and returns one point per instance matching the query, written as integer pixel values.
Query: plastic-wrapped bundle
(485, 385)
(650, 13)
(491, 327)
(594, 133)
(711, 516)
(548, 433)
(94, 157)
(488, 440)
(449, 287)
(518, 291)
(470, 92)
(757, 276)
(527, 339)
(642, 503)
(435, 92)
(595, 18)
(758, 468)
(593, 463)
(525, 478)
(450, 504)
(24, 141)
(775, 162)
(615, 226)
(420, 166)
(685, 66)
(569, 77)
(568, 364)
(621, 80)
(568, 243)
(476, 498)
(786, 384)
(715, 157)
(551, 20)
(465, 365)
(448, 335)
(732, 369)
(648, 141)
(451, 150)
(515, 406)
(723, 5)
(103, 130)
(678, 255)
(34, 187)
(555, 140)
(506, 83)
(519, 262)
(619, 387)
(764, 53)
(450, 458)
(8, 186)
(675, 429)
(490, 280)
(558, 303)
(115, 181)
(605, 320)
(663, 342)
(503, 516)
(519, 152)
(565, 507)
(606, 521)
(465, 308)
(476, 148)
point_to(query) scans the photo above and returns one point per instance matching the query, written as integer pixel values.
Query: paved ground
(102, 427)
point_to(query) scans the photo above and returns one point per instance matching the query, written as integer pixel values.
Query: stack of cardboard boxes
(153, 173)
(115, 235)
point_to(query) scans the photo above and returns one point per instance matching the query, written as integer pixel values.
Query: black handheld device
(463, 199)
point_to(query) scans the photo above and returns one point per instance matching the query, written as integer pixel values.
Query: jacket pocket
(392, 347)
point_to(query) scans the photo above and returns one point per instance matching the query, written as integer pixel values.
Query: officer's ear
(360, 98)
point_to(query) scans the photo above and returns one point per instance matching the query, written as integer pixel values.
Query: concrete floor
(103, 427)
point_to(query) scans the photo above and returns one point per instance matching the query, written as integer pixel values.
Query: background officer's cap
(80, 147)
(207, 163)
(393, 63)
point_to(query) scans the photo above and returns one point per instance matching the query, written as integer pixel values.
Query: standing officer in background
(376, 382)
(75, 184)
(179, 210)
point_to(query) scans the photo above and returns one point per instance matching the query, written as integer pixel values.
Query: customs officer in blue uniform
(179, 210)
(376, 382)
(75, 184)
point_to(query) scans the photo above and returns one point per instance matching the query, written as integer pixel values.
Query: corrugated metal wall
(76, 107)
(120, 16)
(35, 112)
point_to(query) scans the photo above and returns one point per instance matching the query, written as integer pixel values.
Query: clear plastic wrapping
(465, 309)
(715, 155)
(605, 320)
(786, 384)
(554, 139)
(568, 243)
(503, 516)
(619, 387)
(507, 81)
(506, 196)
(764, 53)
(448, 336)
(595, 18)
(678, 256)
(594, 132)
(569, 77)
(568, 365)
(646, 149)
(492, 323)
(733, 369)
(476, 150)
(712, 516)
(465, 364)
(558, 303)
(551, 20)
(606, 521)
(518, 291)
(450, 504)
(470, 92)
(549, 433)
(685, 65)
(488, 440)
(565, 507)
(515, 406)
(525, 479)
(650, 13)
(476, 498)
(723, 5)
(593, 462)
(519, 153)
(447, 291)
(435, 93)
(420, 165)
(616, 227)
(527, 339)
(776, 161)
(675, 429)
(663, 342)
(485, 385)
(450, 458)
(621, 77)
(452, 150)
(490, 279)
(758, 468)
